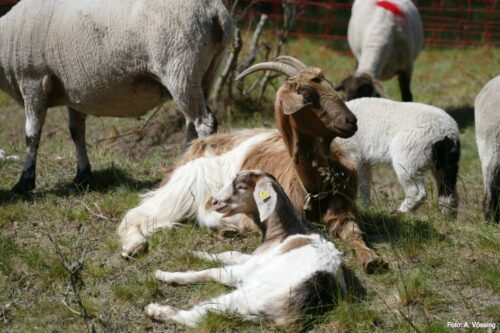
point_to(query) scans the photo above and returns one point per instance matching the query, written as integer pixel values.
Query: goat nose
(214, 202)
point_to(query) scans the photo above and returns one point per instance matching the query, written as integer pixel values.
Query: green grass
(440, 270)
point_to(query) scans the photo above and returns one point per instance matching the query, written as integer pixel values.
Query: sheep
(295, 270)
(413, 138)
(109, 58)
(315, 173)
(386, 38)
(487, 118)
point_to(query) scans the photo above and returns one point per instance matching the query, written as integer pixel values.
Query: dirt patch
(164, 131)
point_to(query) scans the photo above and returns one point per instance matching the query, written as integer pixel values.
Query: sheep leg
(189, 97)
(491, 200)
(36, 111)
(227, 258)
(228, 275)
(404, 79)
(365, 182)
(447, 196)
(413, 186)
(191, 133)
(236, 302)
(76, 123)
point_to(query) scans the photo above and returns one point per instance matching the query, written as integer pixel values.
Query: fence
(446, 23)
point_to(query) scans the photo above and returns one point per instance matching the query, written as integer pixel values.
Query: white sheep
(413, 138)
(487, 118)
(109, 58)
(386, 38)
(295, 270)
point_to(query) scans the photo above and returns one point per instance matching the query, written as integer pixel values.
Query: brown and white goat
(294, 271)
(312, 169)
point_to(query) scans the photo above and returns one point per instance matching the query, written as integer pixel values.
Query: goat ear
(292, 102)
(265, 197)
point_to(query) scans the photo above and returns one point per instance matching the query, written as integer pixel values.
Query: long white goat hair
(186, 193)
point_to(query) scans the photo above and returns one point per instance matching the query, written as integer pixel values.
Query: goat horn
(291, 61)
(279, 67)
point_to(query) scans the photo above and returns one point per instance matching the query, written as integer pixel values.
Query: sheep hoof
(83, 177)
(375, 265)
(24, 186)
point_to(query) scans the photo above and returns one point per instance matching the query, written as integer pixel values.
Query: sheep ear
(341, 86)
(292, 102)
(265, 197)
(379, 89)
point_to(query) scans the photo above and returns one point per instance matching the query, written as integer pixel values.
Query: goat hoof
(133, 251)
(228, 233)
(159, 312)
(374, 265)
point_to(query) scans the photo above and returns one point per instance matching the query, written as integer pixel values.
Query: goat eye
(316, 80)
(241, 187)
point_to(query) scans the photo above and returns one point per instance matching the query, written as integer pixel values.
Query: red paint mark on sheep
(393, 8)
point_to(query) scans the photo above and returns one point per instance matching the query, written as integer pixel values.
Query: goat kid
(309, 115)
(294, 271)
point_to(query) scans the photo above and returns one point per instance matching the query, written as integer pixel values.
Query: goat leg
(346, 229)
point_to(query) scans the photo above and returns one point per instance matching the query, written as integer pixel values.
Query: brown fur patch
(215, 144)
(295, 244)
(272, 157)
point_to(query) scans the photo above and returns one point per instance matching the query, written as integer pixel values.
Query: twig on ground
(75, 283)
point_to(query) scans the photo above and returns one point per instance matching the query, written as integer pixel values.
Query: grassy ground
(441, 270)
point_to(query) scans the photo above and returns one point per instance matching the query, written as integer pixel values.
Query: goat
(4, 157)
(315, 173)
(487, 121)
(413, 138)
(295, 270)
(385, 37)
(109, 58)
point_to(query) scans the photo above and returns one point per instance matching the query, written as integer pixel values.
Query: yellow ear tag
(264, 195)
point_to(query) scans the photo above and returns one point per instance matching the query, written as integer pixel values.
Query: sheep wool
(413, 138)
(487, 118)
(110, 58)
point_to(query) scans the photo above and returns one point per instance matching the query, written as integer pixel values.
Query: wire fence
(446, 23)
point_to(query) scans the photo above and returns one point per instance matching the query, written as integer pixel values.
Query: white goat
(413, 137)
(4, 157)
(292, 272)
(385, 37)
(487, 117)
(109, 58)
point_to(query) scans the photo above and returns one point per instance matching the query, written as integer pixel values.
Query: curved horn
(291, 61)
(285, 69)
